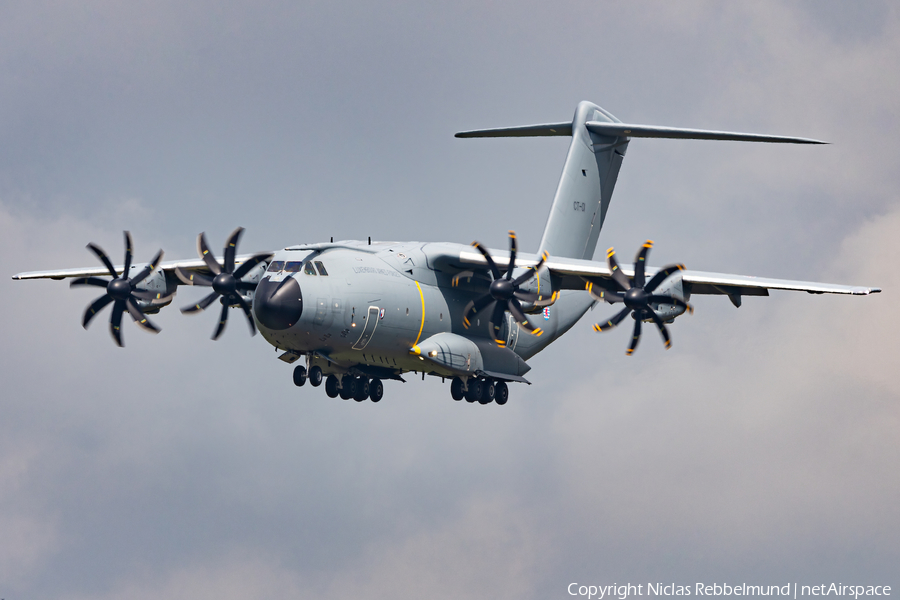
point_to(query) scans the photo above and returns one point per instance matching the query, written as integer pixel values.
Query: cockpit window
(309, 269)
(321, 268)
(292, 266)
(277, 265)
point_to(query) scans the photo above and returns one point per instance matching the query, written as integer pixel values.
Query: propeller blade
(527, 296)
(513, 247)
(250, 263)
(139, 317)
(223, 319)
(617, 274)
(247, 286)
(192, 278)
(603, 294)
(542, 301)
(612, 322)
(96, 281)
(200, 305)
(231, 248)
(95, 307)
(115, 322)
(147, 270)
(531, 272)
(663, 330)
(246, 308)
(661, 276)
(635, 338)
(150, 295)
(670, 300)
(639, 262)
(104, 258)
(463, 275)
(129, 252)
(497, 322)
(490, 261)
(474, 307)
(468, 275)
(521, 320)
(207, 255)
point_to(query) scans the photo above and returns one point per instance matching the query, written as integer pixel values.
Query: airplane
(354, 314)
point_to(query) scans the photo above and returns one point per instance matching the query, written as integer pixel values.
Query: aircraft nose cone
(278, 304)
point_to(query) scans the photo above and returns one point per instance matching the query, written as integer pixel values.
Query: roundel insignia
(381, 314)
(546, 313)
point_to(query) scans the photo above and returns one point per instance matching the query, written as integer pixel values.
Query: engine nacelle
(156, 282)
(541, 284)
(673, 286)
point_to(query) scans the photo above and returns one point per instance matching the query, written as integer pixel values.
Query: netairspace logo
(791, 590)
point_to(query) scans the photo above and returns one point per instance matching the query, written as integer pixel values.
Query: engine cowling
(673, 286)
(157, 283)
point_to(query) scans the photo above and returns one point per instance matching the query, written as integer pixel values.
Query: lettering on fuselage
(376, 271)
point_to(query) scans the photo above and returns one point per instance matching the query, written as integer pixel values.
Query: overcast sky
(763, 447)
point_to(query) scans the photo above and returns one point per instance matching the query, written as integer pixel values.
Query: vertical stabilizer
(585, 187)
(587, 181)
(592, 166)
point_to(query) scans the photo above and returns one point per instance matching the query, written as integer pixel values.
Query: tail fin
(599, 141)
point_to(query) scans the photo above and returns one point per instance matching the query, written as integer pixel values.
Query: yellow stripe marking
(422, 325)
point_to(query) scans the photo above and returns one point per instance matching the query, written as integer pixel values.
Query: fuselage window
(292, 266)
(309, 269)
(277, 265)
(321, 268)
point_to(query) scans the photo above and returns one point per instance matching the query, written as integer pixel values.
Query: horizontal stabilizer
(652, 131)
(562, 129)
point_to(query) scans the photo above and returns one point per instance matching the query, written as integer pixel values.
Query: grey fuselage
(378, 302)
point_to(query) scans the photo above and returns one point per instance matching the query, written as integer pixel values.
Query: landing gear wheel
(475, 391)
(361, 391)
(487, 392)
(348, 387)
(299, 375)
(331, 386)
(315, 376)
(376, 390)
(456, 389)
(501, 393)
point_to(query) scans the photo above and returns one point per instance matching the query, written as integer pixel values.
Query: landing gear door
(369, 329)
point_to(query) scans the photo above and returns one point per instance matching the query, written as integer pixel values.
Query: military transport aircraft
(357, 313)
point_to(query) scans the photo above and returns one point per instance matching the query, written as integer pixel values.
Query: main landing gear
(357, 388)
(483, 390)
(347, 387)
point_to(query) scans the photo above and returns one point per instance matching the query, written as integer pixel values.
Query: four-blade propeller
(505, 293)
(637, 297)
(121, 291)
(226, 281)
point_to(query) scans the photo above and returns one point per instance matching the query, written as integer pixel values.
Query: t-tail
(599, 141)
